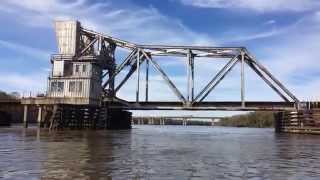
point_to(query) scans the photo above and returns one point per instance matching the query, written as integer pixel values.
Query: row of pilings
(62, 116)
(301, 121)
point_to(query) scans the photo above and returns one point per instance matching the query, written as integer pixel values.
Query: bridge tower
(75, 77)
(75, 82)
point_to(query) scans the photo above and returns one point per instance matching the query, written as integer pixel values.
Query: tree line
(252, 119)
(13, 95)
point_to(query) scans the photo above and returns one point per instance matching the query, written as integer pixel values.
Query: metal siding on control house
(58, 68)
(84, 93)
(68, 33)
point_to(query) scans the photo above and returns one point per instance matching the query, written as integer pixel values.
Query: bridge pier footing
(25, 116)
(118, 119)
(302, 121)
(58, 117)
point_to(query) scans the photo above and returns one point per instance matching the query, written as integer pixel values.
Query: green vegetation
(252, 119)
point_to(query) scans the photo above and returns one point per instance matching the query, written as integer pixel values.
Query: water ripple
(154, 152)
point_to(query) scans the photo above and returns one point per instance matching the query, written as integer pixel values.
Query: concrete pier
(162, 121)
(303, 121)
(119, 119)
(25, 116)
(39, 117)
(184, 122)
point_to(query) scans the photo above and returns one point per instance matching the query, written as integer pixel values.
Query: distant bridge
(161, 120)
(179, 117)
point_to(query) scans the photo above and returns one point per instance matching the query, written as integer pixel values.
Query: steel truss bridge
(104, 46)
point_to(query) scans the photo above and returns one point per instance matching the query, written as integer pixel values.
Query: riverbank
(252, 119)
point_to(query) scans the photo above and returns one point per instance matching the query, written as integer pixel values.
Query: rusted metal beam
(120, 68)
(220, 105)
(242, 80)
(138, 75)
(118, 42)
(165, 77)
(218, 80)
(190, 66)
(131, 71)
(275, 80)
(88, 46)
(209, 87)
(189, 47)
(257, 71)
(146, 52)
(147, 80)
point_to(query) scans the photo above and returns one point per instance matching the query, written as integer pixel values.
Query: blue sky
(284, 35)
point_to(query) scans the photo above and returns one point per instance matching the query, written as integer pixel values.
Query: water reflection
(154, 152)
(85, 155)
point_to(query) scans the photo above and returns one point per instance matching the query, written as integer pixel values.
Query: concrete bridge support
(56, 117)
(151, 121)
(162, 121)
(118, 119)
(184, 122)
(303, 121)
(39, 117)
(25, 116)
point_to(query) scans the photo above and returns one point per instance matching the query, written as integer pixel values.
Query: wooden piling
(39, 118)
(25, 116)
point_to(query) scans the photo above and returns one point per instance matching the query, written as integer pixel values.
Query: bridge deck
(223, 106)
(175, 105)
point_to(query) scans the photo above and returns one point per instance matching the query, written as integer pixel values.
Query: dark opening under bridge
(86, 78)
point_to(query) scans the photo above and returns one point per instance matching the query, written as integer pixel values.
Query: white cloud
(257, 5)
(270, 22)
(23, 83)
(293, 57)
(255, 36)
(139, 24)
(26, 50)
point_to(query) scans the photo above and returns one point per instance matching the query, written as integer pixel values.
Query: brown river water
(158, 152)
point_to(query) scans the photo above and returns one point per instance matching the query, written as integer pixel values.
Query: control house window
(77, 68)
(57, 86)
(84, 68)
(75, 86)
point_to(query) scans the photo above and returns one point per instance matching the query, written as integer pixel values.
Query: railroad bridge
(85, 79)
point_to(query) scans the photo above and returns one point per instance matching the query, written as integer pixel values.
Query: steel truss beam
(216, 79)
(255, 69)
(125, 63)
(190, 77)
(275, 80)
(165, 77)
(145, 53)
(209, 106)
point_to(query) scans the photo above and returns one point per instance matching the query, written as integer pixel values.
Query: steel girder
(105, 46)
